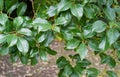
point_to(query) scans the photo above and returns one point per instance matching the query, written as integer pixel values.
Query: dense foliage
(27, 28)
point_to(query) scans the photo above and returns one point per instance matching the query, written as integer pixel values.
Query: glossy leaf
(25, 31)
(77, 11)
(3, 19)
(110, 13)
(12, 40)
(72, 44)
(112, 35)
(60, 21)
(63, 5)
(99, 26)
(18, 21)
(22, 45)
(82, 50)
(104, 45)
(43, 25)
(52, 11)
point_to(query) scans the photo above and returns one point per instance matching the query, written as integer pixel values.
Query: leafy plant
(27, 28)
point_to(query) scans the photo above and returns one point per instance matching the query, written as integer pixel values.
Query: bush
(27, 28)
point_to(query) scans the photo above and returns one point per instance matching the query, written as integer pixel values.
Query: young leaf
(21, 9)
(82, 50)
(77, 11)
(112, 35)
(99, 26)
(22, 45)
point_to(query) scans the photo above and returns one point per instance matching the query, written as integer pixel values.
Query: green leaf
(77, 11)
(12, 8)
(74, 75)
(78, 69)
(49, 39)
(67, 35)
(94, 45)
(104, 45)
(82, 50)
(72, 44)
(43, 55)
(61, 62)
(22, 45)
(50, 51)
(83, 63)
(63, 5)
(107, 59)
(92, 72)
(110, 13)
(52, 11)
(99, 26)
(60, 21)
(1, 5)
(43, 25)
(4, 51)
(42, 37)
(34, 60)
(112, 35)
(18, 21)
(56, 29)
(21, 9)
(111, 74)
(67, 70)
(12, 40)
(3, 19)
(25, 31)
(89, 12)
(24, 59)
(2, 38)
